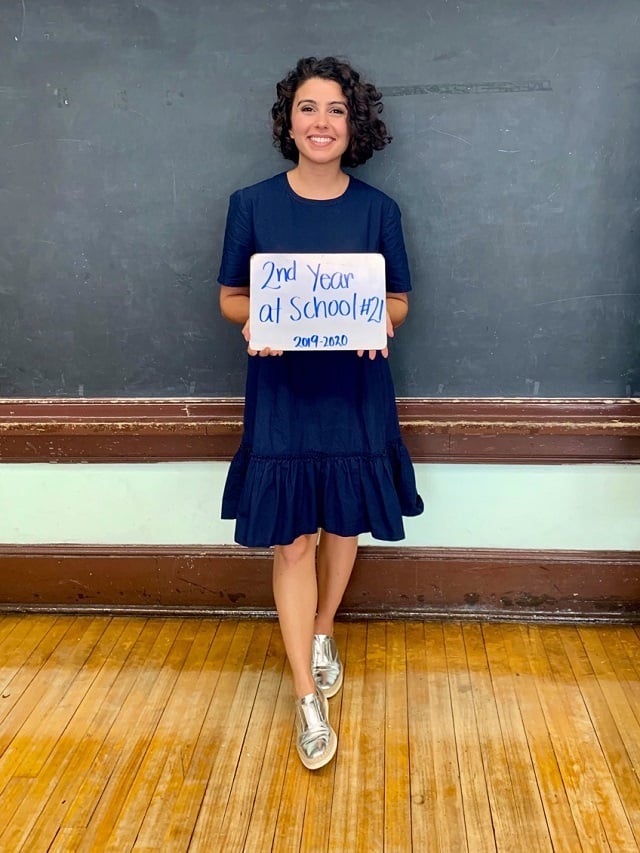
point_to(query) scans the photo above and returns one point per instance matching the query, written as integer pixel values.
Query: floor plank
(350, 768)
(397, 778)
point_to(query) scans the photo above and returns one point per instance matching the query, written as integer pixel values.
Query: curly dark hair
(367, 133)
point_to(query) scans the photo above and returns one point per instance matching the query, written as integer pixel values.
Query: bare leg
(295, 592)
(336, 556)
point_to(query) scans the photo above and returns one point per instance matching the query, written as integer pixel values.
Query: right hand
(263, 352)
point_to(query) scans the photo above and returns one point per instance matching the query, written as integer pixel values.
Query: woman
(321, 449)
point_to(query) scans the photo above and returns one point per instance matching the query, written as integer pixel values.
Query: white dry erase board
(318, 301)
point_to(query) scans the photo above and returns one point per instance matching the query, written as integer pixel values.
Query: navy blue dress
(321, 446)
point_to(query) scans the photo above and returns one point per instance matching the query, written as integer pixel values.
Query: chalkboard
(516, 162)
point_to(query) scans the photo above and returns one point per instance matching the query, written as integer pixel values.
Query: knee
(298, 550)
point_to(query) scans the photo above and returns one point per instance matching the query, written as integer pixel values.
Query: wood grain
(133, 734)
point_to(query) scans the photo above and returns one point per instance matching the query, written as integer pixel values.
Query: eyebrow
(315, 103)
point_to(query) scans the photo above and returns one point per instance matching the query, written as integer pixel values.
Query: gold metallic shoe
(316, 742)
(326, 665)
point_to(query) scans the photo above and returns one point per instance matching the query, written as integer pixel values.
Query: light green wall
(483, 506)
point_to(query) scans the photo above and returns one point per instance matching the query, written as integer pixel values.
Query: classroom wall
(594, 506)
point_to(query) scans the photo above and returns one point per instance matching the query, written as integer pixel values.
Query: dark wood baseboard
(388, 582)
(434, 430)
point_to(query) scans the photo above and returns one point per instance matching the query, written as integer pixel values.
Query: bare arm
(234, 303)
(397, 308)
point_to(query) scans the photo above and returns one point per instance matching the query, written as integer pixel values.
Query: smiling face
(319, 121)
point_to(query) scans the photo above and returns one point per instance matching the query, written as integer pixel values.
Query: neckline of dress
(321, 201)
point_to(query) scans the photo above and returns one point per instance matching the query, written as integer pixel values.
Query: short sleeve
(239, 242)
(394, 250)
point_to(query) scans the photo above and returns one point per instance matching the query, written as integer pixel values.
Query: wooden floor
(128, 733)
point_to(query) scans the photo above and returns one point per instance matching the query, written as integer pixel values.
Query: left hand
(246, 334)
(383, 352)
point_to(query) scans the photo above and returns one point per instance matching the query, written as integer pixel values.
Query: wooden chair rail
(460, 430)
